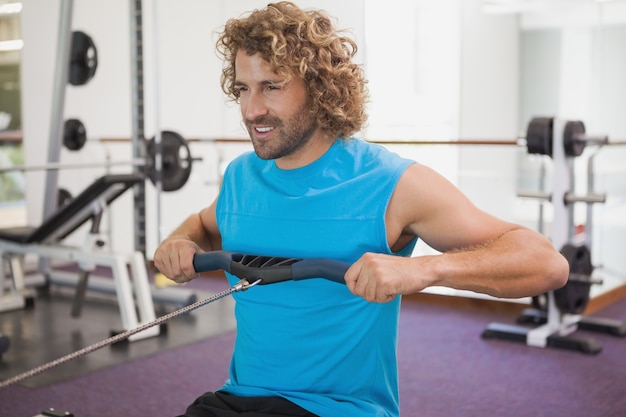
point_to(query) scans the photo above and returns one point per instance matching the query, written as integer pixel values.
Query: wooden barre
(16, 139)
(381, 142)
(507, 142)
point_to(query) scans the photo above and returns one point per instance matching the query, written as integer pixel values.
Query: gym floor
(47, 331)
(442, 362)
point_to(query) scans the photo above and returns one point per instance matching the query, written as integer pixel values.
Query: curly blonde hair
(306, 44)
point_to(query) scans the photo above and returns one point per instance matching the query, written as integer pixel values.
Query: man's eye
(239, 90)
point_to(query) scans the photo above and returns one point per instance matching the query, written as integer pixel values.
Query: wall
(572, 67)
(471, 76)
(489, 107)
(190, 98)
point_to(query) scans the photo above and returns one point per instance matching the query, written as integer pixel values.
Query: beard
(288, 137)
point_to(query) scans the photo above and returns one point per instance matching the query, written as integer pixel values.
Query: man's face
(276, 112)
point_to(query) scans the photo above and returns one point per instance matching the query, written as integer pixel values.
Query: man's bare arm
(479, 252)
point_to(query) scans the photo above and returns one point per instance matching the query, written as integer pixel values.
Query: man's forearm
(502, 269)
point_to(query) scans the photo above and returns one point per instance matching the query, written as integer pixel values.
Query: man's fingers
(174, 259)
(366, 278)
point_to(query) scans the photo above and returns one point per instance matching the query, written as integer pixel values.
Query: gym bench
(133, 295)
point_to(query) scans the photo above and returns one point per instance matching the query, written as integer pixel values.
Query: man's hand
(174, 259)
(379, 277)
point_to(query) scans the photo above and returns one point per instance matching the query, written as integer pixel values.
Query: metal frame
(133, 295)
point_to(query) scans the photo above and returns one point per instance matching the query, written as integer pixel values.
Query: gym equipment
(60, 81)
(539, 138)
(559, 313)
(74, 134)
(574, 296)
(83, 59)
(76, 63)
(134, 296)
(138, 117)
(5, 343)
(176, 164)
(63, 197)
(270, 269)
(54, 413)
(251, 269)
(176, 161)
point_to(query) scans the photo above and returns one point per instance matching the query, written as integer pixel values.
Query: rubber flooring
(46, 331)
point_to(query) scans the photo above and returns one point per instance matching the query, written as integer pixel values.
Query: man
(315, 347)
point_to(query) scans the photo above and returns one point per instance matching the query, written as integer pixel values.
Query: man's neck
(308, 153)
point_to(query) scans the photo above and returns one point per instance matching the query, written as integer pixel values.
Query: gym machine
(134, 296)
(558, 313)
(165, 160)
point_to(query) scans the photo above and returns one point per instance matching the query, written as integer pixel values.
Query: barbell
(539, 137)
(176, 167)
(176, 162)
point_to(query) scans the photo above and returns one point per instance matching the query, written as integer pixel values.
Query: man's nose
(254, 106)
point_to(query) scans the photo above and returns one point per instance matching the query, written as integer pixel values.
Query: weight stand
(127, 290)
(556, 328)
(51, 412)
(592, 324)
(15, 297)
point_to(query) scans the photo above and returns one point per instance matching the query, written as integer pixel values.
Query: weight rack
(563, 141)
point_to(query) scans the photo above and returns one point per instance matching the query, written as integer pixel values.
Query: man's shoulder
(376, 153)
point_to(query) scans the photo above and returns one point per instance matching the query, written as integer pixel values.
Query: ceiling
(537, 6)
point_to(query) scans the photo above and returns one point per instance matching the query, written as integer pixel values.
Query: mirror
(11, 183)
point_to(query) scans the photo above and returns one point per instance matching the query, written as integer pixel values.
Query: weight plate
(539, 136)
(572, 141)
(176, 161)
(63, 197)
(83, 59)
(574, 296)
(74, 134)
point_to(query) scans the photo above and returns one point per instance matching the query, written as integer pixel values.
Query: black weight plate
(572, 146)
(74, 134)
(539, 136)
(63, 197)
(176, 161)
(574, 296)
(83, 59)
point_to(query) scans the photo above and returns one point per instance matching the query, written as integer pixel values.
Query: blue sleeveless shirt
(312, 341)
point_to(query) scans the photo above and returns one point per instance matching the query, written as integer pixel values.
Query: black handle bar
(270, 269)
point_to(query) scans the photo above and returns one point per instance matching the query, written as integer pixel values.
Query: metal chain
(240, 286)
